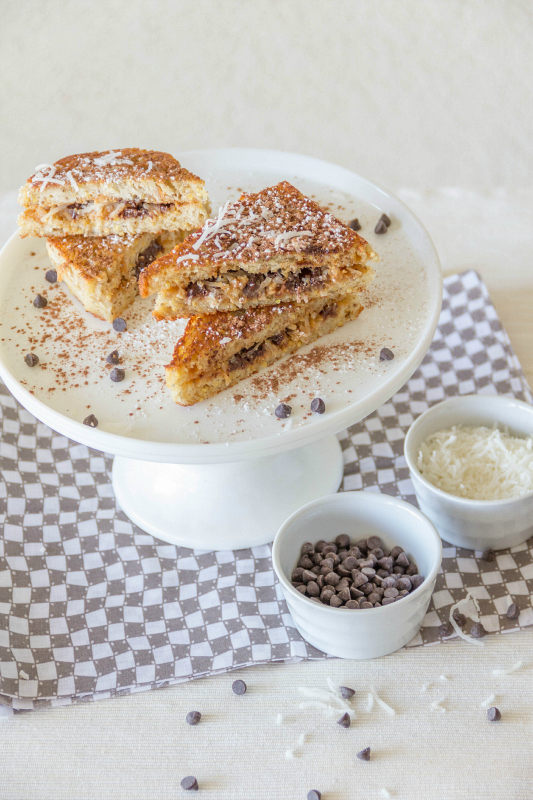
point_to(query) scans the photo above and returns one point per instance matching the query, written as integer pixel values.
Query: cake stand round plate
(225, 473)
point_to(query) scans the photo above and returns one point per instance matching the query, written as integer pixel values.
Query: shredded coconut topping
(471, 615)
(45, 179)
(70, 176)
(436, 705)
(499, 673)
(382, 703)
(111, 159)
(488, 701)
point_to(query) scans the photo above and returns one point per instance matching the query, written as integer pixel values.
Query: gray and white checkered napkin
(90, 606)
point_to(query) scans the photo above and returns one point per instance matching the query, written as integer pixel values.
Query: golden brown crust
(276, 222)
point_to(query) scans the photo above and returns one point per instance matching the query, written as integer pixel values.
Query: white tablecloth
(140, 746)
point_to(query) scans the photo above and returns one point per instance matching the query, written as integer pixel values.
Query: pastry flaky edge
(218, 350)
(102, 272)
(121, 192)
(273, 246)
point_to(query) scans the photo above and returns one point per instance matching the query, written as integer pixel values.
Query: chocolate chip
(344, 721)
(368, 571)
(314, 794)
(416, 581)
(238, 687)
(477, 631)
(312, 589)
(113, 357)
(364, 755)
(366, 604)
(307, 548)
(404, 583)
(40, 301)
(283, 411)
(391, 592)
(351, 604)
(335, 601)
(493, 714)
(31, 359)
(189, 783)
(402, 560)
(318, 405)
(387, 601)
(513, 612)
(354, 224)
(119, 325)
(307, 576)
(459, 618)
(395, 552)
(193, 717)
(305, 562)
(51, 276)
(346, 692)
(91, 421)
(488, 555)
(332, 579)
(380, 227)
(446, 629)
(350, 563)
(385, 219)
(372, 542)
(117, 375)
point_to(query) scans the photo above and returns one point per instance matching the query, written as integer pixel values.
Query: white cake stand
(223, 474)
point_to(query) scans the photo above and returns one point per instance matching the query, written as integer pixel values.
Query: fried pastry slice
(219, 350)
(102, 272)
(271, 247)
(120, 192)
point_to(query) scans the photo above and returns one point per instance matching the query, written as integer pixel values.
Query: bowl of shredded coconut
(471, 464)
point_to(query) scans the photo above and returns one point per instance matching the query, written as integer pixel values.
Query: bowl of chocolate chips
(357, 570)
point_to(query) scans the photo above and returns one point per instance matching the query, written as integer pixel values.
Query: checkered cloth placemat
(91, 607)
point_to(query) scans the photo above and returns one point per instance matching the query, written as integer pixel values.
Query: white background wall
(416, 93)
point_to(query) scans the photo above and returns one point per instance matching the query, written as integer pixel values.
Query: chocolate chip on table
(459, 618)
(314, 794)
(31, 359)
(119, 325)
(51, 276)
(113, 357)
(513, 612)
(386, 354)
(346, 692)
(117, 375)
(238, 687)
(446, 629)
(40, 301)
(283, 411)
(364, 755)
(386, 219)
(193, 717)
(91, 421)
(380, 226)
(189, 783)
(488, 555)
(477, 631)
(318, 405)
(354, 224)
(344, 721)
(494, 714)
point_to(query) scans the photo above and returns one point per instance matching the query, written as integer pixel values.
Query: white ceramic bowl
(473, 524)
(358, 633)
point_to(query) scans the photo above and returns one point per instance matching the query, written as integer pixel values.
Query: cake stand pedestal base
(225, 506)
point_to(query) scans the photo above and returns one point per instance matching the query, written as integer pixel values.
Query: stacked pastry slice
(106, 215)
(271, 273)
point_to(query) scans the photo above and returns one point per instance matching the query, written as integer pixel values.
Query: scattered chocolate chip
(314, 794)
(346, 692)
(91, 421)
(189, 783)
(113, 357)
(386, 354)
(494, 714)
(478, 631)
(385, 219)
(51, 276)
(380, 227)
(40, 301)
(354, 224)
(488, 555)
(446, 629)
(513, 612)
(31, 359)
(283, 411)
(238, 687)
(119, 325)
(117, 375)
(193, 717)
(459, 618)
(364, 755)
(318, 405)
(344, 721)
